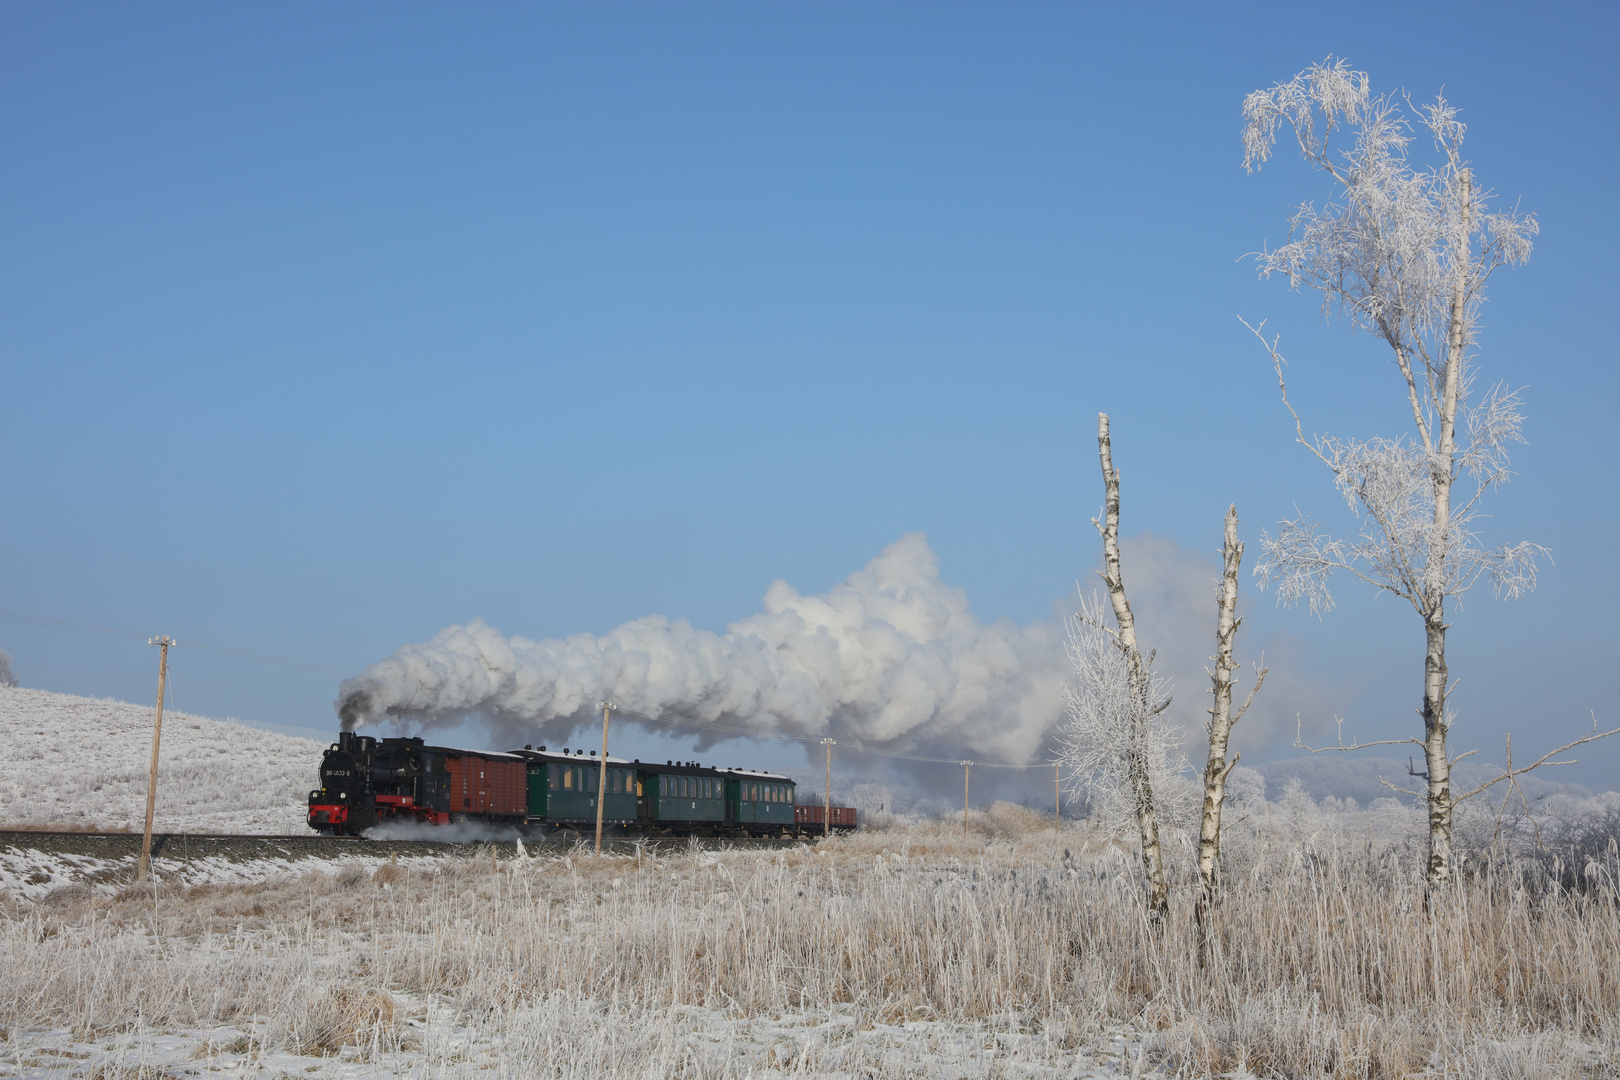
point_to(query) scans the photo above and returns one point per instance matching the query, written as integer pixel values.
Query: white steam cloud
(891, 656)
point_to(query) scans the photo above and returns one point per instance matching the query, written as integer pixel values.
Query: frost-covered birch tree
(1221, 719)
(1114, 739)
(1403, 251)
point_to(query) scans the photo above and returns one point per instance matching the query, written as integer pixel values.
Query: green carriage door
(619, 803)
(538, 789)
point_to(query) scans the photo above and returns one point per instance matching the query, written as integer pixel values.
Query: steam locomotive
(366, 782)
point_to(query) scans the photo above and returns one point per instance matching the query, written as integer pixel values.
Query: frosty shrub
(1110, 731)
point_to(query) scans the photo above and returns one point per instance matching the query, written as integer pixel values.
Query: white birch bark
(1443, 463)
(1221, 720)
(1137, 752)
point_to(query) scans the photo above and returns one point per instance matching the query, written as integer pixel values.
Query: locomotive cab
(365, 782)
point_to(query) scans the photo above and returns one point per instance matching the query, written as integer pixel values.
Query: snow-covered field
(70, 762)
(1009, 949)
(699, 964)
(921, 949)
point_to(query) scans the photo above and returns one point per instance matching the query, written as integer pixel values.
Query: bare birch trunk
(1441, 470)
(1221, 719)
(1158, 898)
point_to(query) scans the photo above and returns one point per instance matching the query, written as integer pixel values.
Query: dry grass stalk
(1320, 957)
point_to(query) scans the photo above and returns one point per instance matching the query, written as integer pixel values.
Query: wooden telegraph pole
(967, 767)
(142, 867)
(601, 783)
(826, 807)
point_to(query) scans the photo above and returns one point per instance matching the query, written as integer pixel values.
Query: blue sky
(323, 327)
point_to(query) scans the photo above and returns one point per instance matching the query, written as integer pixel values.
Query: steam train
(367, 782)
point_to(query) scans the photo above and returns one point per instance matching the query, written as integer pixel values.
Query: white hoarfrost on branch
(1404, 253)
(1388, 484)
(1109, 732)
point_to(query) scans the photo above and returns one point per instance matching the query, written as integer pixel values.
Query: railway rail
(188, 847)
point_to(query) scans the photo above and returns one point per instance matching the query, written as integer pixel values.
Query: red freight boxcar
(842, 819)
(488, 784)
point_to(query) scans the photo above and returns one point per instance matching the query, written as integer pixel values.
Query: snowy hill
(80, 763)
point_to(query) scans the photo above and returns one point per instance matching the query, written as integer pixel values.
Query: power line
(218, 650)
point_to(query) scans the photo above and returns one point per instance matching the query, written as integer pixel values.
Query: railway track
(189, 847)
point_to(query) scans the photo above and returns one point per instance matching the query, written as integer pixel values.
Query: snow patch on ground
(564, 1036)
(79, 763)
(32, 874)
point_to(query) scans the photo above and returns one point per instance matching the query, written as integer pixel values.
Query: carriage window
(591, 779)
(568, 778)
(551, 777)
(686, 787)
(790, 794)
(663, 785)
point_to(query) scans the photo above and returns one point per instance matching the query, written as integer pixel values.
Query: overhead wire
(218, 650)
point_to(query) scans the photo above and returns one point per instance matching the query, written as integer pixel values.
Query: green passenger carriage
(366, 782)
